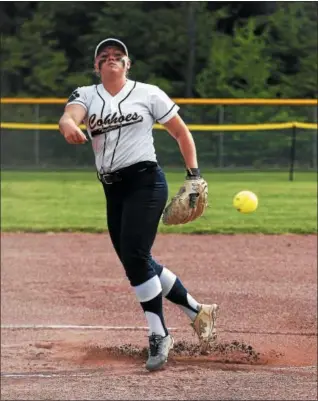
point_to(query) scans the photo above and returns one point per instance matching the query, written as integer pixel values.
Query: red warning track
(267, 347)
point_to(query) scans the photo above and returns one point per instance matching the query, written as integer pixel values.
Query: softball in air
(245, 202)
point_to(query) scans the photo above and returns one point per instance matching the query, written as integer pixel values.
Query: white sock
(148, 290)
(190, 313)
(154, 324)
(167, 279)
(147, 294)
(193, 303)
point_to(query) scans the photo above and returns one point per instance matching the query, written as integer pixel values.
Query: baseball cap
(110, 42)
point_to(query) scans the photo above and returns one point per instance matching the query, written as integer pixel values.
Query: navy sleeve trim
(76, 101)
(166, 113)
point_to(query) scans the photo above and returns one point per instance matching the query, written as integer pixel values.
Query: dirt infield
(72, 328)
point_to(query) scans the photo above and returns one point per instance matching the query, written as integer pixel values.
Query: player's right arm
(74, 114)
(69, 123)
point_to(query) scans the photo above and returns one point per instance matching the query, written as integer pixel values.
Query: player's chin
(110, 70)
(113, 66)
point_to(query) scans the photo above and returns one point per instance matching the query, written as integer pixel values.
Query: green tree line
(189, 49)
(199, 49)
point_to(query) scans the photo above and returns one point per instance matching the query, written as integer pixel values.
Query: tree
(238, 66)
(47, 47)
(293, 43)
(32, 61)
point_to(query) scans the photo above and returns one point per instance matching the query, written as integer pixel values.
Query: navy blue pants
(134, 208)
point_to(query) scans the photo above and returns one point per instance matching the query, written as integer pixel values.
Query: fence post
(315, 141)
(221, 136)
(292, 154)
(37, 136)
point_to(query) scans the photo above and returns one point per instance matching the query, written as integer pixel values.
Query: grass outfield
(74, 201)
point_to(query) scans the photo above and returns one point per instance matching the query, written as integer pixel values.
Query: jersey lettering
(112, 122)
(121, 126)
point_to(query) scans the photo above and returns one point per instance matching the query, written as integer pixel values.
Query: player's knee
(157, 267)
(138, 268)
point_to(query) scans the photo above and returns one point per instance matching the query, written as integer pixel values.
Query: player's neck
(114, 86)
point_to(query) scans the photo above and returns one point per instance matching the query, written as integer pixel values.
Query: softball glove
(189, 203)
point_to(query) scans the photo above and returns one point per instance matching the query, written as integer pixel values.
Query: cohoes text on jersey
(121, 126)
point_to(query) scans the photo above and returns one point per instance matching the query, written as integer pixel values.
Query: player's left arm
(180, 132)
(192, 198)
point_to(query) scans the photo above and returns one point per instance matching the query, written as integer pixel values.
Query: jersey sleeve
(79, 96)
(161, 106)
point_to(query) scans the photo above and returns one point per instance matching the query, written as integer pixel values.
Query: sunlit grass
(74, 201)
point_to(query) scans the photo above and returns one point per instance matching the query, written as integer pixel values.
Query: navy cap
(110, 42)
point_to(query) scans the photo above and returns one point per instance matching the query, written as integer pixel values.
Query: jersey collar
(121, 94)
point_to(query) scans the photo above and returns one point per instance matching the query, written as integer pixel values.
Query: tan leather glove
(189, 203)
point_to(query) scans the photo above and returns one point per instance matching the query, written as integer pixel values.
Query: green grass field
(74, 201)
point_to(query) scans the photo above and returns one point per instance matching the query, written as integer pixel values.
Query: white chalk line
(44, 375)
(136, 328)
(41, 375)
(72, 327)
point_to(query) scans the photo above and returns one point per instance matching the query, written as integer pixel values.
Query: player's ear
(96, 69)
(128, 62)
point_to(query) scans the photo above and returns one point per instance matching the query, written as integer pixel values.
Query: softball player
(119, 114)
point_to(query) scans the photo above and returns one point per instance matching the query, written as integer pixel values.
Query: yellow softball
(245, 202)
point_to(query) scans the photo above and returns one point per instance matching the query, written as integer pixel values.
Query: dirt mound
(226, 352)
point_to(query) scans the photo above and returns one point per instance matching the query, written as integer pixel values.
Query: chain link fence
(259, 149)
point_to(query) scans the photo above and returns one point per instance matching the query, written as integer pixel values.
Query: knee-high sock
(174, 291)
(149, 295)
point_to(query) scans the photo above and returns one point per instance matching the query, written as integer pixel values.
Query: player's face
(111, 60)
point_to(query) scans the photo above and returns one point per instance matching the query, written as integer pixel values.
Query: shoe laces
(155, 342)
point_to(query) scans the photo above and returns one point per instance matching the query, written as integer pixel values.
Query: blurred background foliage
(189, 49)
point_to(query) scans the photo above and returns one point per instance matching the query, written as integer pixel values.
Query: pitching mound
(234, 352)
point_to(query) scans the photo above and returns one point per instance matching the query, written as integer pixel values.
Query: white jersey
(120, 126)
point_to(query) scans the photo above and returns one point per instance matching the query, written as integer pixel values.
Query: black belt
(126, 172)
